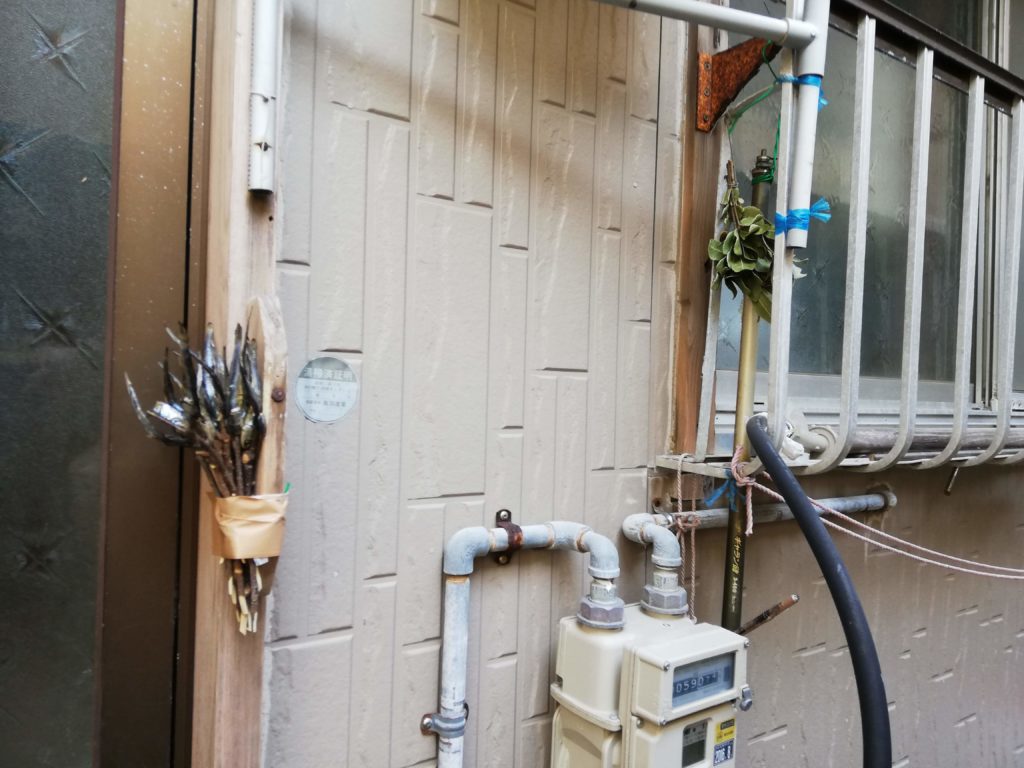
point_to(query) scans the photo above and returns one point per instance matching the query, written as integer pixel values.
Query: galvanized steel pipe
(792, 33)
(449, 724)
(653, 529)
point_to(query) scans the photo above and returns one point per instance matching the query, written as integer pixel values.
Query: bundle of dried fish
(215, 408)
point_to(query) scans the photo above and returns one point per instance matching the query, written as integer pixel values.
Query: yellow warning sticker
(726, 730)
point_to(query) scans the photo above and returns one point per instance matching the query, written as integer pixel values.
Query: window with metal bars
(902, 337)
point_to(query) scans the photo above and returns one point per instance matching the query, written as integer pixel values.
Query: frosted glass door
(57, 70)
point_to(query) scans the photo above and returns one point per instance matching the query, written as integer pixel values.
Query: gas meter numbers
(706, 677)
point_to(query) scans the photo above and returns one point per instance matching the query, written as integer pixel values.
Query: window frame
(898, 33)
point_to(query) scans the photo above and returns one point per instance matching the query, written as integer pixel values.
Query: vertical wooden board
(332, 509)
(287, 617)
(631, 413)
(667, 197)
(420, 550)
(638, 219)
(499, 586)
(560, 254)
(384, 325)
(667, 201)
(671, 81)
(447, 10)
(415, 693)
(611, 138)
(338, 230)
(436, 87)
(552, 50)
(295, 135)
(507, 361)
(613, 44)
(364, 55)
(477, 102)
(539, 450)
(373, 651)
(604, 345)
(309, 685)
(494, 747)
(642, 77)
(659, 431)
(514, 124)
(447, 331)
(583, 51)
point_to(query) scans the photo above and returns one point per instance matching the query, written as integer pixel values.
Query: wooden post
(699, 205)
(228, 679)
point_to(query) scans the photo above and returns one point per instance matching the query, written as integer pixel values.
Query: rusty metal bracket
(503, 520)
(721, 76)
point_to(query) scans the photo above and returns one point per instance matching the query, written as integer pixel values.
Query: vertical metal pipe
(732, 597)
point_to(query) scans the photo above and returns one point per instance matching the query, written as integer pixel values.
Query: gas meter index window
(672, 680)
(701, 679)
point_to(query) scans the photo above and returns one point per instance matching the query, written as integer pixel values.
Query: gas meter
(661, 692)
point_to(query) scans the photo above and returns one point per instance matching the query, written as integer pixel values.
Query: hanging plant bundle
(214, 407)
(742, 253)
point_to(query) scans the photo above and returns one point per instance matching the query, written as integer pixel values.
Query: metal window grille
(976, 419)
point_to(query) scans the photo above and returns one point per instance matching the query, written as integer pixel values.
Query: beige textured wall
(469, 218)
(478, 213)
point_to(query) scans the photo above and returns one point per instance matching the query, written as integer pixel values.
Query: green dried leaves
(742, 254)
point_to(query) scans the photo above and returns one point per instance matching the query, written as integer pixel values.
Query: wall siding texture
(478, 212)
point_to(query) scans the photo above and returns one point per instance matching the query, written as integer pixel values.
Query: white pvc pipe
(266, 44)
(809, 61)
(792, 33)
(460, 553)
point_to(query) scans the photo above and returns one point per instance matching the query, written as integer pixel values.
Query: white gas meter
(661, 692)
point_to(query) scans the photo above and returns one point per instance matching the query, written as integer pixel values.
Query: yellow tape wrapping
(248, 526)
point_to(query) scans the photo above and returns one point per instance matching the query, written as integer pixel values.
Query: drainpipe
(601, 609)
(266, 46)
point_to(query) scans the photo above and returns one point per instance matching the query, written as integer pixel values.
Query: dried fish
(215, 409)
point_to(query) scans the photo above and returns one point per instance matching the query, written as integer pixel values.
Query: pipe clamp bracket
(445, 727)
(503, 520)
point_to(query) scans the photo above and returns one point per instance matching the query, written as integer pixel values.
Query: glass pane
(941, 284)
(1016, 51)
(954, 18)
(57, 64)
(817, 331)
(885, 267)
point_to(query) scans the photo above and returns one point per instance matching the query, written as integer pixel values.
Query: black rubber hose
(874, 708)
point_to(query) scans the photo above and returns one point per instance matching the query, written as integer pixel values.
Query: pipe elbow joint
(465, 546)
(604, 557)
(644, 529)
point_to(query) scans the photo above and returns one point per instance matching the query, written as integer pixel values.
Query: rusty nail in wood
(277, 395)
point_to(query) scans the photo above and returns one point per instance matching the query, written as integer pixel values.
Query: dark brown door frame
(146, 607)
